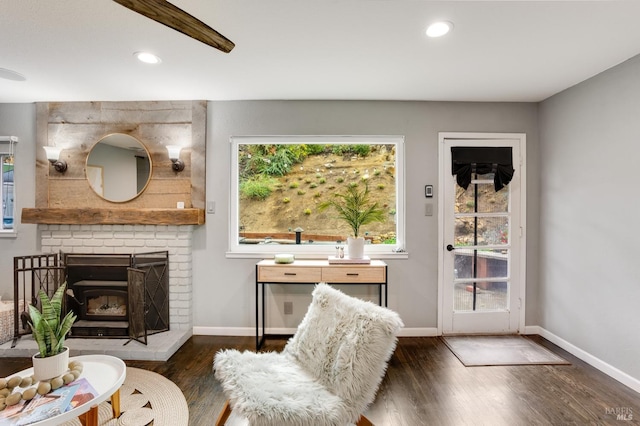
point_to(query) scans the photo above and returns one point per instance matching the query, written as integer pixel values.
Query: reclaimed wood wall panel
(198, 154)
(76, 193)
(78, 126)
(42, 165)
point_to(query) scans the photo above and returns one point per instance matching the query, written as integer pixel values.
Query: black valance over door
(482, 160)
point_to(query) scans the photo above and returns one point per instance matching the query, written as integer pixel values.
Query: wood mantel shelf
(126, 216)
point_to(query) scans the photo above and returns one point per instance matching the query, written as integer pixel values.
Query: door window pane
(488, 200)
(489, 231)
(487, 297)
(471, 263)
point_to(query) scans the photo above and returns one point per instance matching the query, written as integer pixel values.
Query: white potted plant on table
(49, 332)
(354, 207)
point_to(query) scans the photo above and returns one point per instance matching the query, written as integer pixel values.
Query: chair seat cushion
(271, 389)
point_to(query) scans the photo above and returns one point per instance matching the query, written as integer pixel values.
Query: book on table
(348, 261)
(42, 407)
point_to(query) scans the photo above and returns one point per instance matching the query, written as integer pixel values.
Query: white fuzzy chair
(328, 373)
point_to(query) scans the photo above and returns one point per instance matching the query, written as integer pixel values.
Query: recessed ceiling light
(147, 58)
(438, 29)
(11, 75)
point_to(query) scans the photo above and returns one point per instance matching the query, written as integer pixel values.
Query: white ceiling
(82, 50)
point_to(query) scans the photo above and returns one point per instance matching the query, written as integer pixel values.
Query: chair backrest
(345, 344)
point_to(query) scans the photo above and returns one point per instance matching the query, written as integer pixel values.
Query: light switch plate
(211, 207)
(428, 191)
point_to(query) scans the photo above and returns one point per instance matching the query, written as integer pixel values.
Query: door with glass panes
(482, 239)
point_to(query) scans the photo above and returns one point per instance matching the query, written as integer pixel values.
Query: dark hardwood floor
(427, 385)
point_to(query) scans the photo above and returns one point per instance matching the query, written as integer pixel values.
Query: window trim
(377, 251)
(6, 148)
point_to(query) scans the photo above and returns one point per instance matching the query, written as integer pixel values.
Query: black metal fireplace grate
(114, 295)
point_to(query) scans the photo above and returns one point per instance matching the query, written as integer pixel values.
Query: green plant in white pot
(354, 207)
(49, 331)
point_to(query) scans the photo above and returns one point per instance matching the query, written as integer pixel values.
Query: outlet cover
(428, 209)
(288, 308)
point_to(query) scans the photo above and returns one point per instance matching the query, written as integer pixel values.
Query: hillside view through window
(281, 187)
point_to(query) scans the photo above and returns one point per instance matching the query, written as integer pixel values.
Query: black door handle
(450, 247)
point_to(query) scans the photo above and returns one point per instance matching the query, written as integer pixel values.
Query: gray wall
(119, 171)
(19, 120)
(589, 279)
(224, 288)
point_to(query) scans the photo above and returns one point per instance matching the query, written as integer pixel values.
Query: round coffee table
(106, 374)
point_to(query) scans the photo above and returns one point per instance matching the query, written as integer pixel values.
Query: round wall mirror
(118, 167)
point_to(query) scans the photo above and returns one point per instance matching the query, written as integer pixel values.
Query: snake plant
(48, 330)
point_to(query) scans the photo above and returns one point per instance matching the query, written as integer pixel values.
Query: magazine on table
(84, 393)
(10, 415)
(42, 407)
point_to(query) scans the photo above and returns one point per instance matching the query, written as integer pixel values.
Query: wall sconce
(174, 156)
(53, 155)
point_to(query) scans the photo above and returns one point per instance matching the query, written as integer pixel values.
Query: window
(280, 183)
(7, 183)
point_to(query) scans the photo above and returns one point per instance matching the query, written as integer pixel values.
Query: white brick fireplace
(108, 239)
(127, 239)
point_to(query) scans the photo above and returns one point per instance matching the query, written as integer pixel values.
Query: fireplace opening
(104, 304)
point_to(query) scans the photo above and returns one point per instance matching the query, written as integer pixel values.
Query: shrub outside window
(278, 184)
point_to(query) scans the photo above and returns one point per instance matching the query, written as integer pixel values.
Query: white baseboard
(532, 329)
(595, 362)
(418, 332)
(250, 331)
(238, 331)
(224, 331)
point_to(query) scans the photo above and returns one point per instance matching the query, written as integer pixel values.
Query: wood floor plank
(425, 385)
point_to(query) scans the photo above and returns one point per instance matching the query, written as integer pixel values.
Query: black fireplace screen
(30, 274)
(117, 295)
(138, 310)
(156, 289)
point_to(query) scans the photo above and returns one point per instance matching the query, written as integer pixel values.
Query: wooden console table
(313, 272)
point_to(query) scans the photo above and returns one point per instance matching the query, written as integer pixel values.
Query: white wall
(224, 293)
(589, 233)
(19, 120)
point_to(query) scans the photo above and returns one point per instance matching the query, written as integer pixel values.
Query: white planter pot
(51, 366)
(355, 248)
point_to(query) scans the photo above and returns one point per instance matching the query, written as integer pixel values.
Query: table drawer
(280, 274)
(348, 274)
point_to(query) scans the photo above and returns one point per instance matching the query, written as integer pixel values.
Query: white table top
(105, 373)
